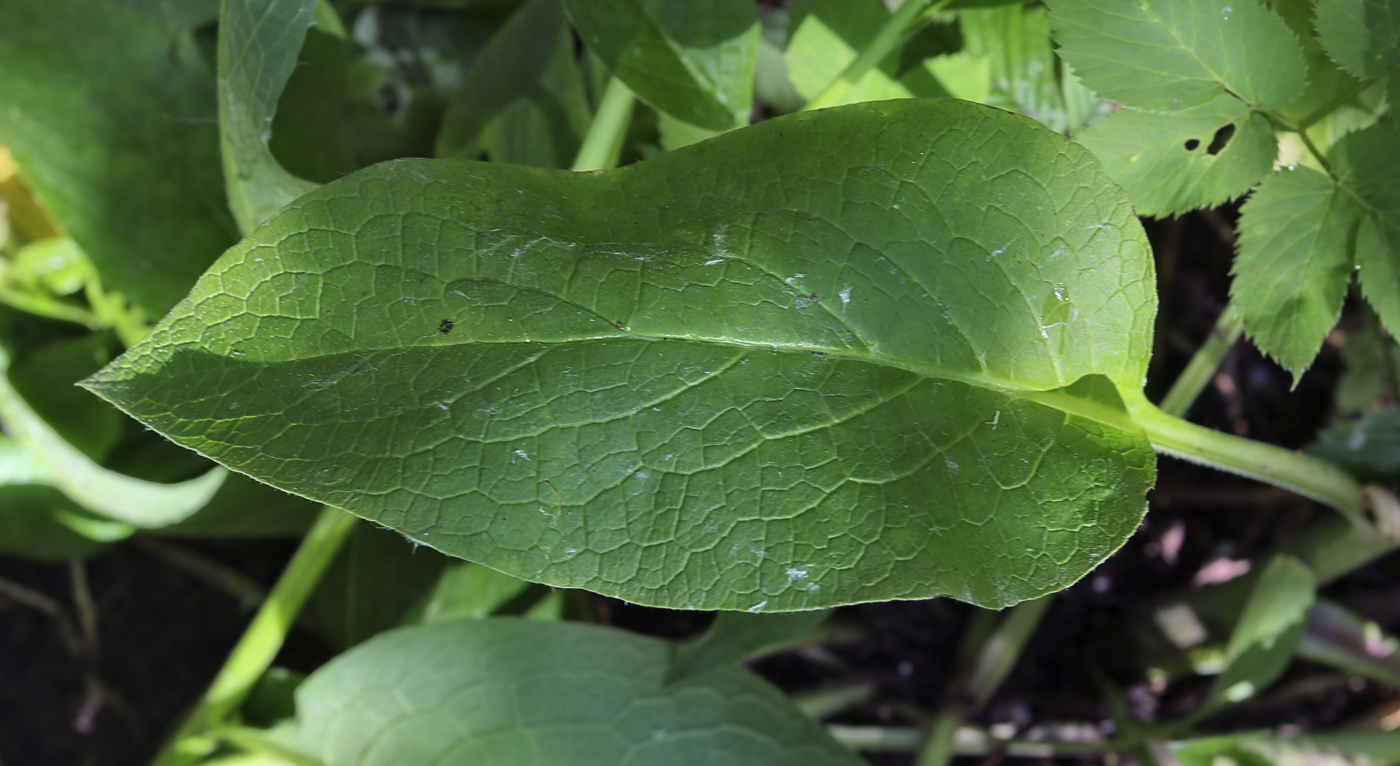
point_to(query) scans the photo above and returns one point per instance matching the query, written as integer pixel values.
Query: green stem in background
(884, 43)
(263, 638)
(603, 144)
(1307, 476)
(1206, 361)
(992, 657)
(1339, 101)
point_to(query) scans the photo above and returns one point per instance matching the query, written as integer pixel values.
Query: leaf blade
(1294, 264)
(565, 363)
(594, 691)
(1173, 54)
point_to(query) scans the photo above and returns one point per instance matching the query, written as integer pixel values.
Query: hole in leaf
(1192, 143)
(1221, 139)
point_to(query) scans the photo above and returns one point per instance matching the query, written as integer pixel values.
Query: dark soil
(162, 634)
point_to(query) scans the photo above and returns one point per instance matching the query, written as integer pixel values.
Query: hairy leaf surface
(544, 693)
(694, 61)
(864, 353)
(1198, 157)
(1176, 54)
(1294, 264)
(111, 116)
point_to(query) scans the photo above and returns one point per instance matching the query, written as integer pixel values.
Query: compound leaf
(864, 353)
(1294, 264)
(1176, 54)
(596, 696)
(111, 116)
(106, 493)
(1361, 35)
(258, 45)
(694, 61)
(1368, 163)
(1267, 634)
(1197, 157)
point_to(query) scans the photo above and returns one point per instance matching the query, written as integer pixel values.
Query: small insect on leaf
(445, 326)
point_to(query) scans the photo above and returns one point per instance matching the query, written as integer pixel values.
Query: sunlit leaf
(864, 353)
(1176, 54)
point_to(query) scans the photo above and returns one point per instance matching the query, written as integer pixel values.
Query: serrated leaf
(828, 34)
(693, 60)
(308, 131)
(1368, 163)
(864, 353)
(111, 116)
(1176, 54)
(1294, 264)
(1361, 35)
(596, 696)
(1198, 157)
(1267, 634)
(105, 493)
(258, 45)
(523, 101)
(36, 520)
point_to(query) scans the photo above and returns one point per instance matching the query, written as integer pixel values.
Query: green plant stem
(1204, 363)
(603, 144)
(1339, 101)
(885, 42)
(993, 656)
(1307, 476)
(265, 634)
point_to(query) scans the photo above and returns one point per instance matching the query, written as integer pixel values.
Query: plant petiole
(603, 144)
(1204, 363)
(1307, 476)
(257, 648)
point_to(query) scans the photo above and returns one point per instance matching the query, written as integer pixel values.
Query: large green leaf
(523, 101)
(111, 116)
(692, 60)
(1176, 54)
(1294, 264)
(106, 493)
(864, 353)
(258, 45)
(1362, 35)
(541, 694)
(1198, 157)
